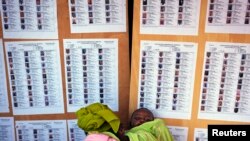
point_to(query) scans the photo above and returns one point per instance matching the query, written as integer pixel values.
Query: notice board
(78, 33)
(188, 63)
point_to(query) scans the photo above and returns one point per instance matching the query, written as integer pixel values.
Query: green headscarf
(97, 117)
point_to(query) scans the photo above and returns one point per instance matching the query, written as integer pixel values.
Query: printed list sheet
(33, 19)
(226, 82)
(173, 17)
(91, 70)
(4, 103)
(167, 77)
(35, 77)
(88, 16)
(228, 16)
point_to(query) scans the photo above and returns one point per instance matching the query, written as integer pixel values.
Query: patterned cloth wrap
(155, 130)
(97, 117)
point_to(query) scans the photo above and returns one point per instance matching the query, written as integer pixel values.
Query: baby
(138, 117)
(141, 116)
(144, 127)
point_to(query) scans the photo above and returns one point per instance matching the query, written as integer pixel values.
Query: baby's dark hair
(142, 109)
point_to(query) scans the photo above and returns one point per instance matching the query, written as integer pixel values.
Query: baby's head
(141, 116)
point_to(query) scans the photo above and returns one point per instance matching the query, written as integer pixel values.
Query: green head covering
(97, 117)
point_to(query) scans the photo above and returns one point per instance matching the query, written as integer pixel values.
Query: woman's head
(141, 116)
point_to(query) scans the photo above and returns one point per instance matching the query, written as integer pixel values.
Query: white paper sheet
(170, 17)
(228, 16)
(75, 133)
(34, 71)
(7, 129)
(167, 78)
(41, 130)
(225, 88)
(200, 134)
(179, 133)
(91, 70)
(33, 19)
(97, 16)
(4, 103)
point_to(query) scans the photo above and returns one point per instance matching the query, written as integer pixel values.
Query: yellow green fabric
(154, 130)
(97, 117)
(111, 135)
